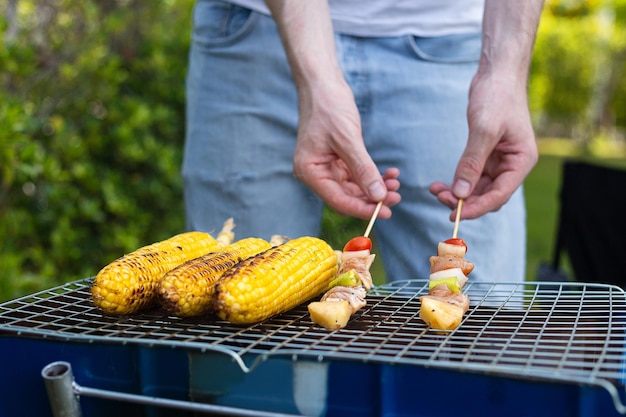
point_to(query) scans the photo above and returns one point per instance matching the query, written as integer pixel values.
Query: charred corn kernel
(188, 289)
(129, 283)
(275, 281)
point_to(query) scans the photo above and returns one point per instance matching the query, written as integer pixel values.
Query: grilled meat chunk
(355, 296)
(439, 263)
(443, 293)
(360, 264)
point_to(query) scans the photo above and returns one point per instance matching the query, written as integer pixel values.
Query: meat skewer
(444, 306)
(373, 219)
(346, 294)
(457, 219)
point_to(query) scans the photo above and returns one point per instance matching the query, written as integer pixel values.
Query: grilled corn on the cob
(275, 281)
(129, 283)
(188, 289)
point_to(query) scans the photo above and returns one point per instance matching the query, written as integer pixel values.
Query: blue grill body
(287, 365)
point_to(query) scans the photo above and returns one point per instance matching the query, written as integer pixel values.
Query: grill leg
(59, 382)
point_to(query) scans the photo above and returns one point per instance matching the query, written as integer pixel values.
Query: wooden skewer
(458, 218)
(369, 226)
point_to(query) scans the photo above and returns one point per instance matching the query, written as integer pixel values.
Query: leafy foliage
(91, 133)
(576, 86)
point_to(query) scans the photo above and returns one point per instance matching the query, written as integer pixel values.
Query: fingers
(348, 205)
(392, 184)
(391, 179)
(331, 157)
(489, 195)
(361, 207)
(471, 165)
(365, 173)
(500, 151)
(345, 197)
(485, 177)
(473, 207)
(330, 178)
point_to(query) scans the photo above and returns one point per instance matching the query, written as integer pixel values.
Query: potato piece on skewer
(331, 315)
(440, 315)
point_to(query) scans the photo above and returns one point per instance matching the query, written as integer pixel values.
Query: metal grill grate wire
(570, 332)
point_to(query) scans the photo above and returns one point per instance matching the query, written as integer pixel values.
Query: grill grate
(569, 332)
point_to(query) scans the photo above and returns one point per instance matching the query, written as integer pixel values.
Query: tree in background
(577, 75)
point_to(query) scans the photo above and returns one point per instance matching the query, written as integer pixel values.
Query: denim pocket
(216, 22)
(451, 49)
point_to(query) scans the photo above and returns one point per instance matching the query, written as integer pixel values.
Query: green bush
(562, 76)
(91, 136)
(577, 85)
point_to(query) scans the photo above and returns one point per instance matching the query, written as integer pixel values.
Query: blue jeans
(242, 117)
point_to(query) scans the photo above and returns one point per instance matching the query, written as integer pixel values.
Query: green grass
(542, 187)
(541, 190)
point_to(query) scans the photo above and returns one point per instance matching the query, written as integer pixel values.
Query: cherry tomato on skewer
(358, 243)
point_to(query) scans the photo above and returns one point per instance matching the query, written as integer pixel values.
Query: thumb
(376, 190)
(468, 171)
(366, 175)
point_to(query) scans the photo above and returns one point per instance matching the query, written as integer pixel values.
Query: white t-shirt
(398, 17)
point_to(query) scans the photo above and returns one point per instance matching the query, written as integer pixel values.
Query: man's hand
(500, 152)
(330, 156)
(501, 148)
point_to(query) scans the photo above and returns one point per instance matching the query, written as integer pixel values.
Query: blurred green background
(92, 128)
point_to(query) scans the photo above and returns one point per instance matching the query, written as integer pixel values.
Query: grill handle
(64, 392)
(59, 381)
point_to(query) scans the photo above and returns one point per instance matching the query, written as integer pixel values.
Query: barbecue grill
(523, 349)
